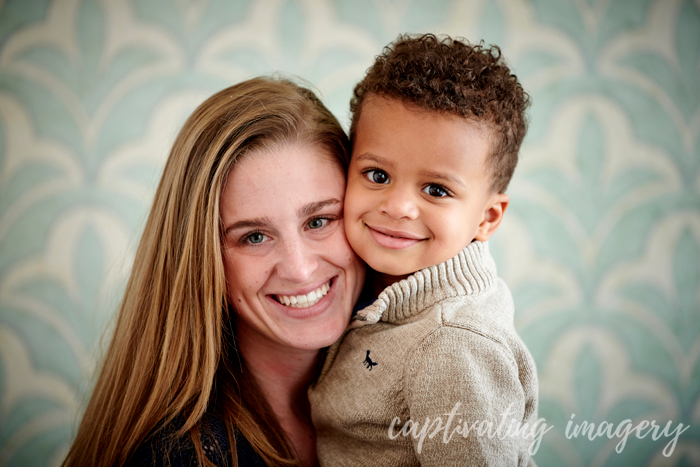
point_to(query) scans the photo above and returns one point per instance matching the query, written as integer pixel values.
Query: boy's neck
(380, 281)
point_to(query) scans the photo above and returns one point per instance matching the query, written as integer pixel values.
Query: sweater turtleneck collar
(471, 272)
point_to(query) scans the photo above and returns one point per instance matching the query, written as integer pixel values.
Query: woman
(243, 273)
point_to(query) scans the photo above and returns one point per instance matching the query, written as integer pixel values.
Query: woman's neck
(283, 375)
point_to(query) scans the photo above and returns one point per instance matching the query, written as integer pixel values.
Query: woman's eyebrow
(261, 222)
(311, 208)
(257, 223)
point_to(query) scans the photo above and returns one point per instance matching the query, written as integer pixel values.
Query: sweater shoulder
(475, 324)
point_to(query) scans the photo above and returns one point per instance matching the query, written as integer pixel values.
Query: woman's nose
(399, 203)
(297, 262)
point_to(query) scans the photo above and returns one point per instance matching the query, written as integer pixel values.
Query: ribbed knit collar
(470, 272)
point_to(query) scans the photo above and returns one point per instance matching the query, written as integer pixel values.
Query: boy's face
(418, 187)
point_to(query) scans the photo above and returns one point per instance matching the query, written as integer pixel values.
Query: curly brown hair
(451, 75)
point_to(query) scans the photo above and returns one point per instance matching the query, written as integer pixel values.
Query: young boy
(433, 372)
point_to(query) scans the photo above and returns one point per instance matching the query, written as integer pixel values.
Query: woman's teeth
(304, 301)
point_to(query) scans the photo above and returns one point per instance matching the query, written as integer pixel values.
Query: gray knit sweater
(441, 352)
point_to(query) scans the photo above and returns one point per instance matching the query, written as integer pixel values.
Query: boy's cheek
(350, 220)
(355, 202)
(352, 232)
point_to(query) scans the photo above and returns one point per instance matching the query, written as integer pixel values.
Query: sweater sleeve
(465, 400)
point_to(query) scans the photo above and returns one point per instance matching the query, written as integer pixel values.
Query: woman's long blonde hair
(173, 351)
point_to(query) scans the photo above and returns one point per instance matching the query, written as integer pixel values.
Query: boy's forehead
(374, 103)
(386, 112)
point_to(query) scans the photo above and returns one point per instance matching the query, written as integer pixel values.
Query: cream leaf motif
(24, 149)
(59, 32)
(658, 38)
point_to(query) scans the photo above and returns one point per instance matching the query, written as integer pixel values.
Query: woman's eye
(377, 176)
(435, 190)
(254, 238)
(317, 223)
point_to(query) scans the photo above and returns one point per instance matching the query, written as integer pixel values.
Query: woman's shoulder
(166, 450)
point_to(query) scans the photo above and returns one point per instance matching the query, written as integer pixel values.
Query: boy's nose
(399, 204)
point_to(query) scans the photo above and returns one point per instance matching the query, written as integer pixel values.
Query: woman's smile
(304, 300)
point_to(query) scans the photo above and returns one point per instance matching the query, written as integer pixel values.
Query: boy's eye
(377, 176)
(435, 190)
(317, 222)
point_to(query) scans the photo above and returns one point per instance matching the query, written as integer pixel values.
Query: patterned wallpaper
(601, 244)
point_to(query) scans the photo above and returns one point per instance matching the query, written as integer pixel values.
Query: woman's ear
(493, 215)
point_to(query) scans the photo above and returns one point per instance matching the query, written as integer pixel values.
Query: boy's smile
(394, 239)
(418, 186)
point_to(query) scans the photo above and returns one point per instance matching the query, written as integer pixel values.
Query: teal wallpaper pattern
(601, 244)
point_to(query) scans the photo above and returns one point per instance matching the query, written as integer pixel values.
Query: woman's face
(292, 277)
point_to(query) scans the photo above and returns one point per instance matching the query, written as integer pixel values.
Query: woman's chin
(318, 335)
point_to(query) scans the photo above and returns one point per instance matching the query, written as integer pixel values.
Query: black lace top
(161, 451)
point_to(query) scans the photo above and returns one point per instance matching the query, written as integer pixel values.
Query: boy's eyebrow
(371, 157)
(443, 176)
(260, 222)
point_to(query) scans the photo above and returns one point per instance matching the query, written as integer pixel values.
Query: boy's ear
(493, 215)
